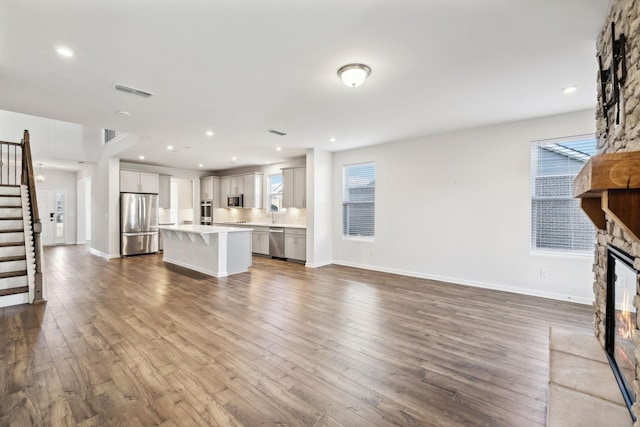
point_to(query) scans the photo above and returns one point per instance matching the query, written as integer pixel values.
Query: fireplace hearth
(620, 321)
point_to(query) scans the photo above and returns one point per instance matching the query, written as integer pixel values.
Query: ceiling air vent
(276, 132)
(133, 91)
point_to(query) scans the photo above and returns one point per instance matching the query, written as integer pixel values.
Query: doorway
(46, 206)
(51, 206)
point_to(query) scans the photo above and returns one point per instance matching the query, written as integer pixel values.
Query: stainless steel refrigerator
(138, 223)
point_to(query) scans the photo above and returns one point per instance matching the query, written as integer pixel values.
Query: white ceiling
(242, 67)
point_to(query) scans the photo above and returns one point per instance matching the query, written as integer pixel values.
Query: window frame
(345, 202)
(574, 251)
(282, 210)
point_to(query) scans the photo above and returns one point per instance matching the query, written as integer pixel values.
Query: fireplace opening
(622, 282)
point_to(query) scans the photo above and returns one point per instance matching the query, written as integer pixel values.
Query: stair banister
(29, 181)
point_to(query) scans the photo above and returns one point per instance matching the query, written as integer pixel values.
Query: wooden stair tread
(13, 291)
(11, 218)
(13, 258)
(13, 230)
(13, 274)
(9, 244)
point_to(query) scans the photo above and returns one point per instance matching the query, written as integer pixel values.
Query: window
(275, 193)
(558, 224)
(358, 200)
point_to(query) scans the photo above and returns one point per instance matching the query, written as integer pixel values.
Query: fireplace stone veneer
(623, 136)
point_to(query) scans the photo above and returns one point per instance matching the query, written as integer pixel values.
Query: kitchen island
(213, 250)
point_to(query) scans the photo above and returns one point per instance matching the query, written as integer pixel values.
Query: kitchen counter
(202, 229)
(213, 250)
(259, 224)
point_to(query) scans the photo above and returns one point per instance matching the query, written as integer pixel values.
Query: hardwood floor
(133, 342)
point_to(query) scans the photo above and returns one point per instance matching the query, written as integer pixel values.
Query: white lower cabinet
(295, 244)
(260, 240)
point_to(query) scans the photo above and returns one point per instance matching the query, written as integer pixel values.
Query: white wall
(319, 220)
(456, 207)
(48, 138)
(64, 180)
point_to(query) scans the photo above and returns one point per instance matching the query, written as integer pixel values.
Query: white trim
(319, 264)
(476, 284)
(16, 299)
(555, 254)
(102, 254)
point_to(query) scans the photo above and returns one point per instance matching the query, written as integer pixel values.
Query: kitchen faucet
(273, 217)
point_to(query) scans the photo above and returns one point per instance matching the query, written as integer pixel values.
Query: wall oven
(206, 212)
(235, 201)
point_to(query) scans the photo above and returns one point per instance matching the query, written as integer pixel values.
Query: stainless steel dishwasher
(276, 242)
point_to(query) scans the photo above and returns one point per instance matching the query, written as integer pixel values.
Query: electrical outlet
(544, 273)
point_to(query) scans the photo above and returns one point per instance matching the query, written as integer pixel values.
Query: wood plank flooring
(133, 342)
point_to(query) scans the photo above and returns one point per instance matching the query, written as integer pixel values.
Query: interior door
(46, 208)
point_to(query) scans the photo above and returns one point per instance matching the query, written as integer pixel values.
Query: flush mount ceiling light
(41, 177)
(209, 133)
(353, 75)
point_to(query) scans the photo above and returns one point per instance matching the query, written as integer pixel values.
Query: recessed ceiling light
(332, 139)
(209, 133)
(200, 165)
(187, 147)
(278, 148)
(569, 89)
(123, 113)
(169, 147)
(234, 158)
(65, 51)
(141, 157)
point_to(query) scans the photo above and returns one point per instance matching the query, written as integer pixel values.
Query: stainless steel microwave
(235, 201)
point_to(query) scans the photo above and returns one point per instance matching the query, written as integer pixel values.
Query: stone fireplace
(616, 209)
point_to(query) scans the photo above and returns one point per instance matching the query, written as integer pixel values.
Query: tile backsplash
(291, 216)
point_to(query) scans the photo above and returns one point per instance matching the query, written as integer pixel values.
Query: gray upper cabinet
(252, 187)
(294, 187)
(139, 182)
(249, 185)
(210, 190)
(164, 195)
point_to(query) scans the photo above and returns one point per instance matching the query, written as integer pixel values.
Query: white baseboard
(102, 254)
(318, 264)
(477, 284)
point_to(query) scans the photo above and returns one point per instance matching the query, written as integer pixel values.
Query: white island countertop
(202, 229)
(259, 224)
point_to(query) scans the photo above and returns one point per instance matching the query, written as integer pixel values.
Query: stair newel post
(29, 181)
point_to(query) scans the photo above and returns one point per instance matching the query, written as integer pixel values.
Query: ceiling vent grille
(276, 132)
(133, 91)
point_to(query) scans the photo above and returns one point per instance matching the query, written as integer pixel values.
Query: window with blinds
(558, 224)
(358, 200)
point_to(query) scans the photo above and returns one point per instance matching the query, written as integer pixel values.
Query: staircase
(20, 249)
(13, 258)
